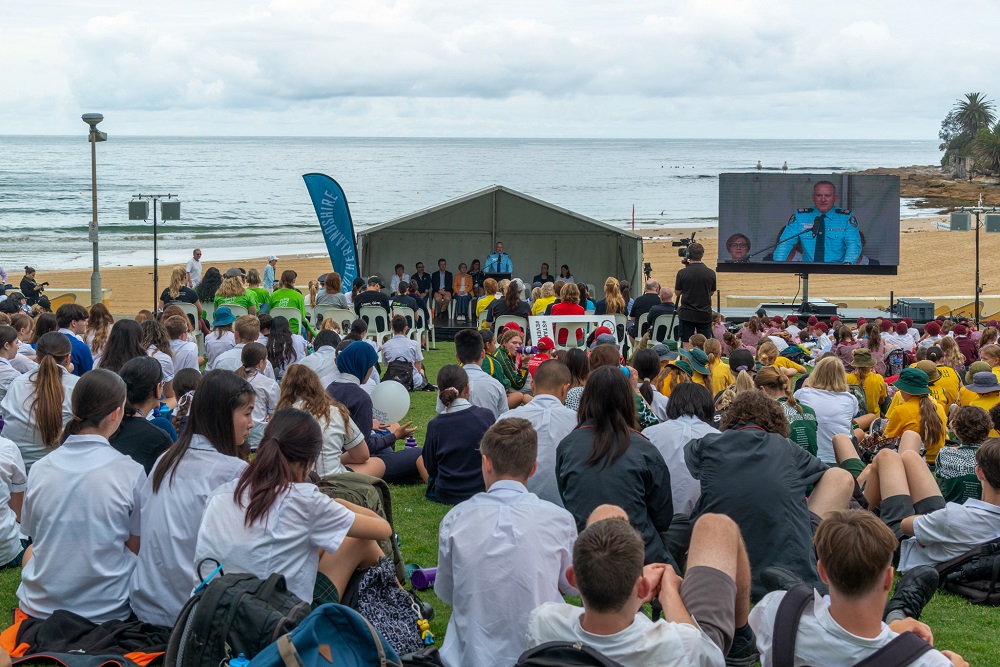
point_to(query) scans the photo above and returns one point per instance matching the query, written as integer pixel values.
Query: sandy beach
(925, 251)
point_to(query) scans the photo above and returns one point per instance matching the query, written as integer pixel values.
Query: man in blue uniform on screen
(822, 233)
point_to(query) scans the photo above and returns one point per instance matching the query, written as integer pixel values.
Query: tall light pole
(92, 119)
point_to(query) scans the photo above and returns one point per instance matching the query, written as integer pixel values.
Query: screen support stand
(804, 308)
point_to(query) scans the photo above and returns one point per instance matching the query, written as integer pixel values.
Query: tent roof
(488, 191)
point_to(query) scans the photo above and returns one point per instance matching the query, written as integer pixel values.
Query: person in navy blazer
(441, 286)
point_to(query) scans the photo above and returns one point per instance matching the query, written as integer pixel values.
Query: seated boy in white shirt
(855, 552)
(614, 585)
(910, 503)
(501, 553)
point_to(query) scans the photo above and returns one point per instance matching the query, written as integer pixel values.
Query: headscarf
(357, 359)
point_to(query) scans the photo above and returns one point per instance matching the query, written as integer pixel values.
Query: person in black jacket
(605, 461)
(441, 286)
(32, 291)
(754, 474)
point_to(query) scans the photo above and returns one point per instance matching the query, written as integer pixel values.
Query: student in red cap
(932, 334)
(792, 326)
(546, 347)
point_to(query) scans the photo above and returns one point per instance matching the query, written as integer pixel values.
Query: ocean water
(243, 196)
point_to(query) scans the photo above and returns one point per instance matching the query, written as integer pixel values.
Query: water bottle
(239, 661)
(411, 441)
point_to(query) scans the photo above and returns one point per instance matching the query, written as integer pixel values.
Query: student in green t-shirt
(233, 293)
(286, 296)
(801, 418)
(955, 467)
(256, 289)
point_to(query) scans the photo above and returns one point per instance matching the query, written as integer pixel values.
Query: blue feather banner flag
(338, 229)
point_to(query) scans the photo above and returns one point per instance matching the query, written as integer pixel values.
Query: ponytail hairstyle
(931, 428)
(302, 384)
(220, 394)
(772, 378)
(52, 351)
(767, 353)
(280, 350)
(313, 291)
(155, 335)
(647, 365)
(753, 324)
(141, 376)
(98, 393)
(844, 335)
(452, 381)
(185, 383)
(874, 337)
(862, 372)
(713, 348)
(44, 323)
(730, 339)
(99, 326)
(292, 438)
(744, 382)
(512, 297)
(251, 355)
(287, 280)
(671, 376)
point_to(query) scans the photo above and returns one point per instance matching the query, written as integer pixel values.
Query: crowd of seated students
(569, 471)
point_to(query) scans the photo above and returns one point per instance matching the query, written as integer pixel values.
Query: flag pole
(633, 217)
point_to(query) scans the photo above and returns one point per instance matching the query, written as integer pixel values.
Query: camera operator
(32, 291)
(693, 289)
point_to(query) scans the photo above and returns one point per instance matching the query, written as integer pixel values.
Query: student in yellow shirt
(699, 364)
(721, 376)
(983, 391)
(918, 412)
(673, 374)
(950, 381)
(865, 377)
(991, 355)
(767, 355)
(485, 301)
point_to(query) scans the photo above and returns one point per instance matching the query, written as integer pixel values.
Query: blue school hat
(222, 317)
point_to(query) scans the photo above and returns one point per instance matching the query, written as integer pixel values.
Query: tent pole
(494, 243)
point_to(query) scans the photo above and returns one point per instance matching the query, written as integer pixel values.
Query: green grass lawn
(967, 629)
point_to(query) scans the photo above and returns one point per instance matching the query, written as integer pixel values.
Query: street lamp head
(92, 119)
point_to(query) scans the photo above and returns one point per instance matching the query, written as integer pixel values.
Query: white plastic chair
(290, 314)
(412, 321)
(238, 311)
(621, 324)
(522, 322)
(341, 316)
(378, 323)
(660, 327)
(640, 324)
(570, 329)
(192, 312)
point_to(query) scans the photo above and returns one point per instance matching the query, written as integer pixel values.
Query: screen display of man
(821, 232)
(694, 287)
(499, 262)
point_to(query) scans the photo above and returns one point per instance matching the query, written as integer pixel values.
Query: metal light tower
(92, 119)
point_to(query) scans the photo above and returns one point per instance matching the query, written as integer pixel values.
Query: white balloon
(390, 402)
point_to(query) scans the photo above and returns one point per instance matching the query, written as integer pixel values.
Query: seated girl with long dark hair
(206, 455)
(272, 520)
(81, 511)
(138, 436)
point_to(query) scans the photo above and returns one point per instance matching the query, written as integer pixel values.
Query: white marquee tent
(532, 231)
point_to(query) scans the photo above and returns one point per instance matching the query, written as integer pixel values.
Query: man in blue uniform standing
(499, 262)
(822, 232)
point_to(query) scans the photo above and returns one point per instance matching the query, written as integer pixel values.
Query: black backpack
(401, 371)
(564, 654)
(974, 575)
(899, 652)
(233, 614)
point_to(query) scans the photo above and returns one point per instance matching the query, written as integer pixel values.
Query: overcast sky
(543, 68)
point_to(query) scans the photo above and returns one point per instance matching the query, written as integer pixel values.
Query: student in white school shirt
(185, 352)
(81, 510)
(8, 351)
(173, 499)
(252, 370)
(323, 360)
(552, 421)
(484, 391)
(501, 553)
(855, 552)
(38, 404)
(274, 521)
(246, 330)
(13, 481)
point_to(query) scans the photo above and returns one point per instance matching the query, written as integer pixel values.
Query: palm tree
(974, 113)
(986, 148)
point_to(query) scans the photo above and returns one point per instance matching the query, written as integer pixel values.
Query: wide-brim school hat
(664, 352)
(697, 358)
(222, 317)
(976, 367)
(913, 381)
(863, 357)
(984, 383)
(933, 374)
(684, 366)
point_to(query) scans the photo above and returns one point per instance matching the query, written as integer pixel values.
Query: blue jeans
(462, 302)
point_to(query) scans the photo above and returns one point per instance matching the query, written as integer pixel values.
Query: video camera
(683, 246)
